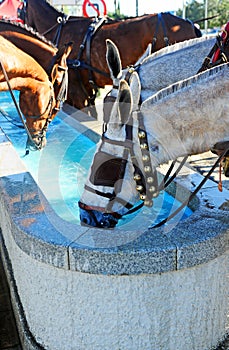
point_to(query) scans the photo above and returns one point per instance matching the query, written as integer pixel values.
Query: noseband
(115, 167)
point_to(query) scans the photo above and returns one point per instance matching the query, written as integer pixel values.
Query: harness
(114, 167)
(63, 89)
(61, 21)
(217, 54)
(161, 22)
(78, 64)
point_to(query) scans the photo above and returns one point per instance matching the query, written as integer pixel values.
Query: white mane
(178, 46)
(173, 64)
(186, 82)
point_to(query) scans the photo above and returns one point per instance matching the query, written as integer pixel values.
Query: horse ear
(125, 101)
(60, 59)
(64, 50)
(68, 48)
(135, 87)
(113, 60)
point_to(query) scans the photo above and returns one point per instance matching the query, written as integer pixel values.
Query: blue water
(61, 168)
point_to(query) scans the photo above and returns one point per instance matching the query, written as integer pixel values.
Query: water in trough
(61, 168)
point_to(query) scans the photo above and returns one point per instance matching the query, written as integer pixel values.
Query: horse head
(121, 177)
(57, 86)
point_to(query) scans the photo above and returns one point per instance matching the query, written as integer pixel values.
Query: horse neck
(138, 34)
(40, 51)
(140, 31)
(189, 121)
(158, 72)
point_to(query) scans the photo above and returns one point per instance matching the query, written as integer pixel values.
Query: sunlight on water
(61, 169)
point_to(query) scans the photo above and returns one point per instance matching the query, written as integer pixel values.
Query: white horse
(164, 67)
(186, 118)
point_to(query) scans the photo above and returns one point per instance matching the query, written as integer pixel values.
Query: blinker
(107, 170)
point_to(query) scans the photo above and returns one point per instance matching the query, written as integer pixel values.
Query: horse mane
(178, 46)
(185, 83)
(29, 30)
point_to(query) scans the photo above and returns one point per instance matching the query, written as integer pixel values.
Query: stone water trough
(79, 288)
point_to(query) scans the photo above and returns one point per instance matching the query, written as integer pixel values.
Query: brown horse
(131, 36)
(38, 97)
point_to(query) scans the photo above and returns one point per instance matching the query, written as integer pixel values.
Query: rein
(217, 53)
(185, 203)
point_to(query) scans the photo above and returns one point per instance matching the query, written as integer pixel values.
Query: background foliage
(195, 11)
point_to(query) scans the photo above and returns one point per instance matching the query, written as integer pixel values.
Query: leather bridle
(146, 179)
(36, 139)
(33, 135)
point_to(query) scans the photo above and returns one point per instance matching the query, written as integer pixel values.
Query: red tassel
(220, 185)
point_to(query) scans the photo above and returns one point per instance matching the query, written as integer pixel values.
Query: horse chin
(96, 218)
(36, 144)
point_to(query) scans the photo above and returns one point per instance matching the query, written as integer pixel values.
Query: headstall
(146, 180)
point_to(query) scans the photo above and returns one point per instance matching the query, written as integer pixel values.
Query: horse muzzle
(98, 219)
(36, 143)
